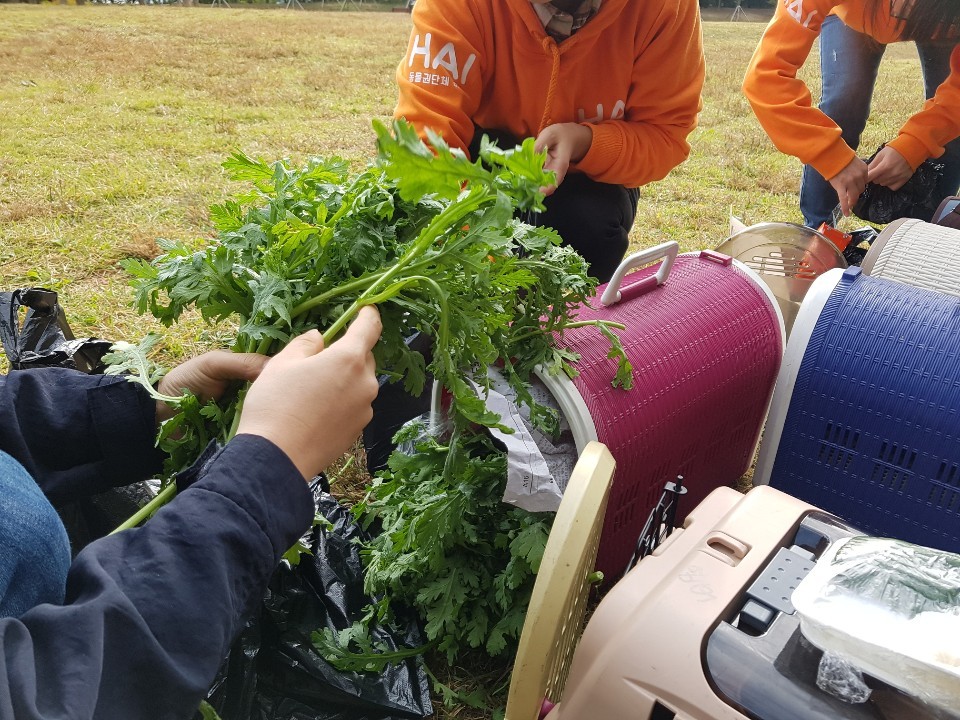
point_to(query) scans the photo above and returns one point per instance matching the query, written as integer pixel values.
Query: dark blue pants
(34, 549)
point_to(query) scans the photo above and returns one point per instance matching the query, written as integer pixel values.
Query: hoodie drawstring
(551, 45)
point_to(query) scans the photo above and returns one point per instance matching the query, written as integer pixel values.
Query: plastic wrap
(842, 679)
(892, 610)
(538, 466)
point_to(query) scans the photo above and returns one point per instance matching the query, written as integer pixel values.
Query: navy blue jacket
(149, 613)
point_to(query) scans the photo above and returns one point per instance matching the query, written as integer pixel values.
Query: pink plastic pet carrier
(705, 337)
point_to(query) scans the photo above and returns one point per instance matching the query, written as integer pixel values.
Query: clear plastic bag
(842, 679)
(892, 610)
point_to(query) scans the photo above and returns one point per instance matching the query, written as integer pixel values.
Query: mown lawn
(114, 121)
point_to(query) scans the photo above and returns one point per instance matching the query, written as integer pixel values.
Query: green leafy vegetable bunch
(431, 238)
(449, 548)
(447, 544)
(425, 234)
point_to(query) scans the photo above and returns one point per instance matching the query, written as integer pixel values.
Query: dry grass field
(114, 121)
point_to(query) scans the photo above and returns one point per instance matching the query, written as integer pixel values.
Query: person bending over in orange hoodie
(853, 35)
(610, 89)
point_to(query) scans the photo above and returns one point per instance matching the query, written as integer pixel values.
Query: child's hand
(564, 143)
(207, 376)
(311, 401)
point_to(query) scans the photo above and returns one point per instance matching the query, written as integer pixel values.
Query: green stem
(366, 299)
(241, 395)
(344, 289)
(162, 498)
(450, 216)
(207, 711)
(430, 234)
(597, 323)
(170, 491)
(448, 462)
(243, 344)
(390, 657)
(443, 332)
(347, 288)
(570, 326)
(345, 205)
(333, 478)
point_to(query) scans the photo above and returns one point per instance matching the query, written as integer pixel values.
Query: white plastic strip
(807, 316)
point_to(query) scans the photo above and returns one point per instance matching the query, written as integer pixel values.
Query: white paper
(535, 481)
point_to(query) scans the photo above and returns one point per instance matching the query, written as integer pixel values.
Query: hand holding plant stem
(425, 234)
(207, 376)
(310, 401)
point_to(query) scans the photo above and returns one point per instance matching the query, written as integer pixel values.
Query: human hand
(207, 376)
(313, 402)
(849, 184)
(564, 143)
(889, 168)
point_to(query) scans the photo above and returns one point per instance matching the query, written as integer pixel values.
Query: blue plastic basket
(865, 421)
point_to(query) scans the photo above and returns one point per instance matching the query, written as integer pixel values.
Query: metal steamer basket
(787, 257)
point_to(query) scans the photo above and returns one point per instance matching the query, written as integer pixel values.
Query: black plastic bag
(274, 673)
(45, 338)
(860, 242)
(916, 199)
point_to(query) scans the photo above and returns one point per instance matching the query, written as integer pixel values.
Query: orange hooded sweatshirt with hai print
(634, 73)
(783, 105)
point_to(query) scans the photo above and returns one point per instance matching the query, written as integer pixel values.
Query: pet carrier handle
(714, 256)
(668, 251)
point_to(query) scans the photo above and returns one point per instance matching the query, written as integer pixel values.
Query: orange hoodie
(782, 102)
(634, 73)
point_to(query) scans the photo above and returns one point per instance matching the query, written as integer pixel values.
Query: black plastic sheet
(274, 673)
(44, 338)
(35, 335)
(916, 199)
(860, 242)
